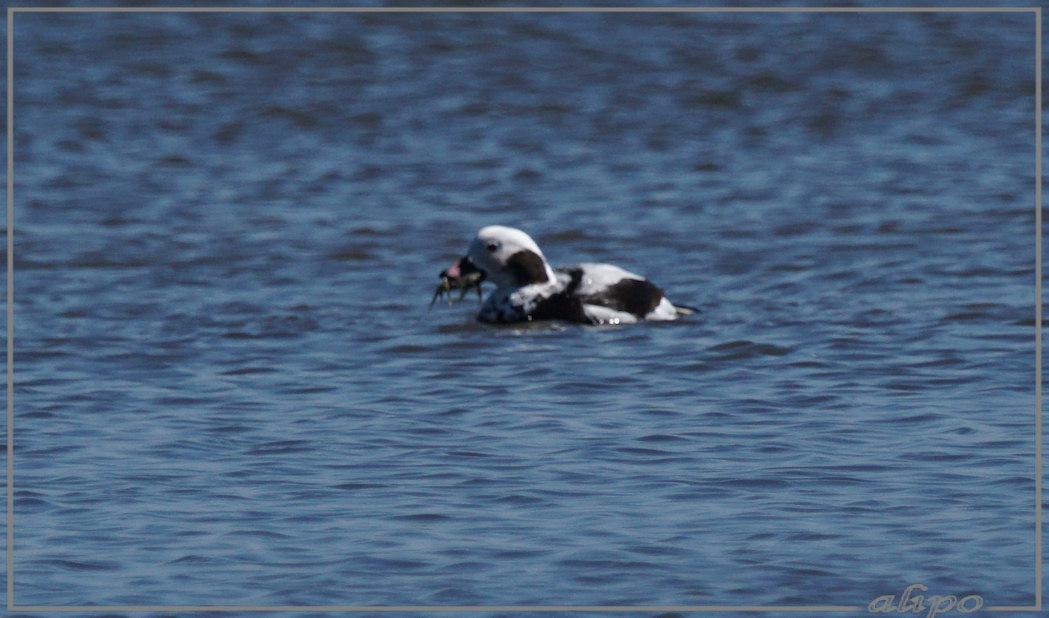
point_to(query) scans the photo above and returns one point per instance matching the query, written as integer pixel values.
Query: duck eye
(492, 247)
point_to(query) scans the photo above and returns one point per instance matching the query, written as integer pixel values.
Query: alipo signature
(916, 603)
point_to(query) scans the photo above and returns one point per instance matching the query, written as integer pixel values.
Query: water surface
(229, 389)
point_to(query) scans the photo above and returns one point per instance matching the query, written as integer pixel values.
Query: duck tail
(683, 310)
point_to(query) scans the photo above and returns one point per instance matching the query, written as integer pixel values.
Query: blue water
(229, 390)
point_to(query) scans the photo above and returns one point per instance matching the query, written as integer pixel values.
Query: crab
(464, 284)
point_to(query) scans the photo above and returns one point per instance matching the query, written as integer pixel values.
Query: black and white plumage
(528, 289)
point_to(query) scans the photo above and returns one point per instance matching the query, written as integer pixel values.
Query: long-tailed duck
(527, 288)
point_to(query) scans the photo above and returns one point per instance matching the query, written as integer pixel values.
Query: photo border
(11, 11)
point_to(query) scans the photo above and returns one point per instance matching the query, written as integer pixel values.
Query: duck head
(506, 256)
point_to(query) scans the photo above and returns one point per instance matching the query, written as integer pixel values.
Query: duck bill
(463, 272)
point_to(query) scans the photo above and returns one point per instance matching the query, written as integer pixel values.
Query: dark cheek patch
(527, 268)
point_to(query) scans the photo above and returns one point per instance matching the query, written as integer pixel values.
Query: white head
(508, 257)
